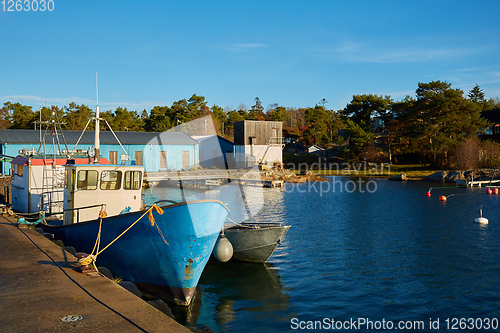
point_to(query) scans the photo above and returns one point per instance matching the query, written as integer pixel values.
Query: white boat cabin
(38, 183)
(91, 188)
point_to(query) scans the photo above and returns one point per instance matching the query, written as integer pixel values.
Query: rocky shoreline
(453, 176)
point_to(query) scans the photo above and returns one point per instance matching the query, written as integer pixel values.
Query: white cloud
(366, 53)
(246, 47)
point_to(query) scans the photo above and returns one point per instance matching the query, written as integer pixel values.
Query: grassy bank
(412, 171)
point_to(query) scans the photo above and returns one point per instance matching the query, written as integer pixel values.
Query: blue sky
(293, 53)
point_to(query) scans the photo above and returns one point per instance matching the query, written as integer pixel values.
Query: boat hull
(167, 258)
(255, 244)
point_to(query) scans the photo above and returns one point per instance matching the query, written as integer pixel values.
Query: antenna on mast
(97, 143)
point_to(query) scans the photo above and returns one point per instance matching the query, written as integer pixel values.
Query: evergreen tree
(476, 95)
(77, 116)
(439, 118)
(19, 116)
(257, 111)
(362, 108)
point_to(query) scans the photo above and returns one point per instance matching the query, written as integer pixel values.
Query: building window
(87, 180)
(111, 180)
(163, 159)
(113, 157)
(132, 180)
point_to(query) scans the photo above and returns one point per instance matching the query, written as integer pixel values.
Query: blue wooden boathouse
(156, 151)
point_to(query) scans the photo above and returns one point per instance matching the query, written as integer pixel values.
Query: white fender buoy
(223, 250)
(481, 219)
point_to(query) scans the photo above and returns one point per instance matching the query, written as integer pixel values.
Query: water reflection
(237, 286)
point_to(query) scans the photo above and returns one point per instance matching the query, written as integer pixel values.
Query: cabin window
(19, 170)
(111, 180)
(87, 180)
(132, 180)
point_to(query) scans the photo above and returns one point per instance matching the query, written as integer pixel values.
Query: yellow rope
(92, 257)
(150, 215)
(149, 211)
(98, 239)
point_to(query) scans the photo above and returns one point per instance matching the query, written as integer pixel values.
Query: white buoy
(481, 219)
(223, 250)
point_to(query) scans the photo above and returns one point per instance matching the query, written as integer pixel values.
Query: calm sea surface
(370, 250)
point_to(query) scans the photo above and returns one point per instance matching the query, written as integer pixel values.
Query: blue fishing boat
(164, 259)
(162, 248)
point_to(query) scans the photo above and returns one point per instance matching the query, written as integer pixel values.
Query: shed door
(138, 157)
(185, 159)
(113, 157)
(163, 159)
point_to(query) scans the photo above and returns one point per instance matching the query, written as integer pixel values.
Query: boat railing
(251, 225)
(50, 203)
(103, 208)
(171, 202)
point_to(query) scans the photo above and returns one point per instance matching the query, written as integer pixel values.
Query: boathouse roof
(106, 137)
(202, 138)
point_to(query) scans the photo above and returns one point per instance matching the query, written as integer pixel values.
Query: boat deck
(36, 293)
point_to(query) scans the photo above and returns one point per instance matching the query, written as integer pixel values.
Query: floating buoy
(481, 219)
(223, 250)
(495, 190)
(442, 198)
(427, 194)
(489, 191)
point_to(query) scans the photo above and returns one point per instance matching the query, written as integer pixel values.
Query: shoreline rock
(436, 177)
(401, 177)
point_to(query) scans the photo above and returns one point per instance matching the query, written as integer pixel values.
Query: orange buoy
(495, 190)
(489, 191)
(442, 198)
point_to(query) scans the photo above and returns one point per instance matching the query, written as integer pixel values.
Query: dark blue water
(375, 250)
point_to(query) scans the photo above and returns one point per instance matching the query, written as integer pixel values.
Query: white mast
(97, 143)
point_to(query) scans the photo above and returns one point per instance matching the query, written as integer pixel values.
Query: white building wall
(250, 155)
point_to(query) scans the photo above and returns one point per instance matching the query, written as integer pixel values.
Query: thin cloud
(246, 47)
(364, 53)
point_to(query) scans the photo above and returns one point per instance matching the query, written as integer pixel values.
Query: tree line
(429, 127)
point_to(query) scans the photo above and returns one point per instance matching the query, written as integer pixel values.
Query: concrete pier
(36, 294)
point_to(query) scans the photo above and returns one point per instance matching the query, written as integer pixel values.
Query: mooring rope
(91, 258)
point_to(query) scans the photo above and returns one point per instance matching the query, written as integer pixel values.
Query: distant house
(376, 125)
(154, 150)
(315, 149)
(258, 142)
(295, 148)
(492, 132)
(215, 151)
